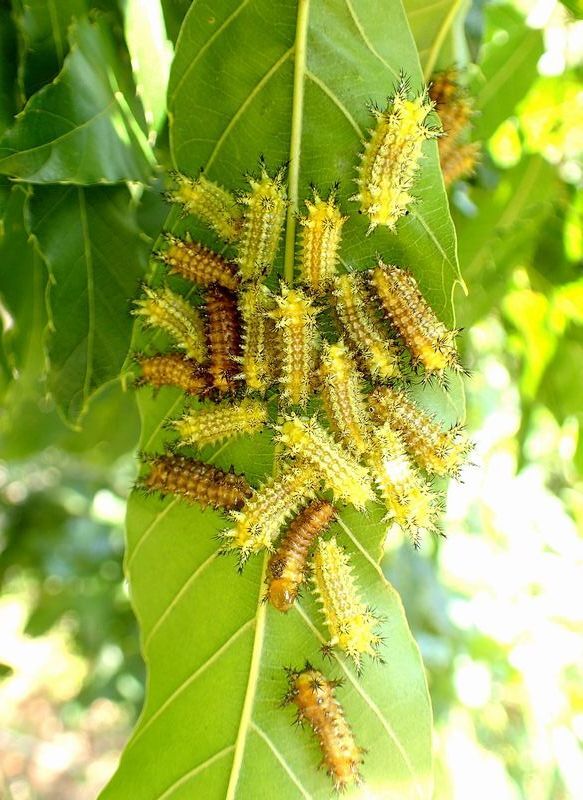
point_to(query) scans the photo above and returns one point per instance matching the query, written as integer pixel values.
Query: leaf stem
(300, 49)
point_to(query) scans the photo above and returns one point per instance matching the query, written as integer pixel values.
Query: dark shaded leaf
(85, 127)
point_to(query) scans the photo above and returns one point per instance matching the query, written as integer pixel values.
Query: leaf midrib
(299, 54)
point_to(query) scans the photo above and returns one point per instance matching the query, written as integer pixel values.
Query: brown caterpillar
(391, 157)
(317, 705)
(431, 344)
(287, 568)
(263, 216)
(442, 452)
(172, 369)
(223, 333)
(320, 242)
(343, 398)
(197, 263)
(212, 423)
(208, 201)
(170, 312)
(294, 317)
(379, 355)
(195, 481)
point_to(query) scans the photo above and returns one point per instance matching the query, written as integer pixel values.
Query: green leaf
(22, 281)
(507, 67)
(92, 246)
(151, 55)
(8, 66)
(290, 82)
(431, 24)
(501, 232)
(575, 7)
(43, 28)
(84, 127)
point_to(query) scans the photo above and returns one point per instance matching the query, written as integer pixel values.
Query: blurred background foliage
(495, 607)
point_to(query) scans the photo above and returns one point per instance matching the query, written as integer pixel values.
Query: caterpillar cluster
(250, 355)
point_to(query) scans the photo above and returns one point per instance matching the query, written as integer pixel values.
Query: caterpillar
(409, 499)
(164, 309)
(258, 523)
(340, 472)
(439, 451)
(286, 570)
(431, 344)
(455, 109)
(320, 242)
(213, 423)
(223, 334)
(379, 355)
(391, 157)
(294, 317)
(460, 162)
(172, 369)
(197, 263)
(263, 216)
(210, 202)
(351, 622)
(195, 481)
(317, 705)
(343, 399)
(256, 359)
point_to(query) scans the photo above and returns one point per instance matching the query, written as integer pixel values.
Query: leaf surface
(85, 127)
(290, 82)
(95, 256)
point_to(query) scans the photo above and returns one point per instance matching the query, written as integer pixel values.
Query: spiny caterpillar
(169, 311)
(408, 497)
(213, 423)
(172, 369)
(379, 355)
(195, 481)
(317, 705)
(256, 360)
(258, 523)
(287, 567)
(391, 157)
(460, 163)
(439, 451)
(455, 110)
(208, 201)
(351, 622)
(294, 317)
(263, 216)
(431, 344)
(343, 398)
(342, 474)
(320, 242)
(223, 333)
(197, 263)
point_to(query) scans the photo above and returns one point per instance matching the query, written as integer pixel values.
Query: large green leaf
(43, 28)
(95, 254)
(431, 24)
(507, 64)
(22, 281)
(8, 65)
(85, 127)
(290, 82)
